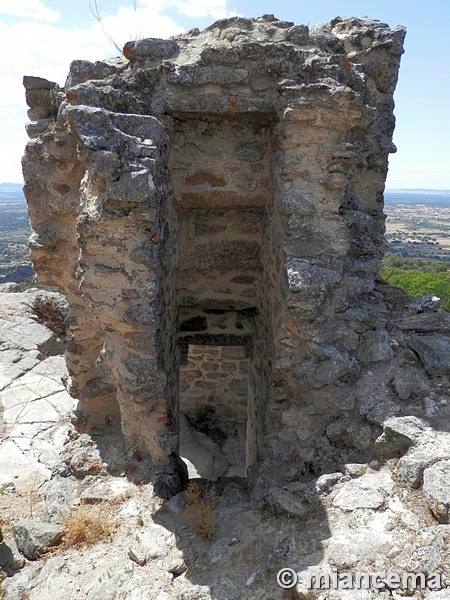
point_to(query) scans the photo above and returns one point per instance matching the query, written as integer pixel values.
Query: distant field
(418, 224)
(14, 233)
(11, 192)
(414, 197)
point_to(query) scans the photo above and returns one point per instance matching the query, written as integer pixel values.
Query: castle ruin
(212, 207)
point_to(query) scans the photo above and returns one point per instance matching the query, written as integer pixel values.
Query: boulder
(61, 494)
(325, 483)
(354, 470)
(202, 455)
(436, 489)
(408, 382)
(9, 288)
(284, 501)
(33, 538)
(410, 467)
(349, 548)
(399, 434)
(374, 346)
(10, 559)
(433, 351)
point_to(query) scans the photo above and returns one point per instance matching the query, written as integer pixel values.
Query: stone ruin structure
(212, 207)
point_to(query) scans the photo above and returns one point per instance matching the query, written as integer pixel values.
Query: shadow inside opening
(214, 411)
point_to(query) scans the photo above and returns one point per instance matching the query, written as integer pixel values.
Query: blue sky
(41, 37)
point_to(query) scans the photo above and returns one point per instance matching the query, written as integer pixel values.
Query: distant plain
(417, 226)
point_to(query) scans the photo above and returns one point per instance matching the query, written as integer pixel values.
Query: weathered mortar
(240, 169)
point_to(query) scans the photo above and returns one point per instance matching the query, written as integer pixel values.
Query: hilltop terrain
(225, 544)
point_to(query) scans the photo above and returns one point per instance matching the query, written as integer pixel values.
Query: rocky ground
(217, 541)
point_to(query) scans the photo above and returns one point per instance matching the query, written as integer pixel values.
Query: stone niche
(212, 207)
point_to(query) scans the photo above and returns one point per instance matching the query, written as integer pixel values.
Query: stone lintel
(216, 199)
(203, 105)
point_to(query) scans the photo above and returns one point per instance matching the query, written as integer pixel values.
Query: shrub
(86, 527)
(421, 284)
(200, 508)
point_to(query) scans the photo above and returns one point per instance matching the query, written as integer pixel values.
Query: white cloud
(149, 20)
(216, 9)
(129, 24)
(12, 145)
(418, 175)
(43, 49)
(53, 48)
(29, 9)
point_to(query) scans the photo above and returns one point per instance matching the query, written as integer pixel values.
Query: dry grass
(51, 316)
(32, 493)
(200, 508)
(87, 526)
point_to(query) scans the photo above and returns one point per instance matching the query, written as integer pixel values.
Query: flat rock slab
(53, 367)
(26, 472)
(284, 501)
(32, 395)
(349, 548)
(15, 363)
(439, 595)
(29, 335)
(357, 494)
(99, 491)
(31, 410)
(433, 351)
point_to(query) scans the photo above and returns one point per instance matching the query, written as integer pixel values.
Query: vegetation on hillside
(419, 277)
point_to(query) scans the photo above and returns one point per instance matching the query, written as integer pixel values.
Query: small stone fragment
(135, 558)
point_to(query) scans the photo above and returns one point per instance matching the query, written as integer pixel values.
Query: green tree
(412, 277)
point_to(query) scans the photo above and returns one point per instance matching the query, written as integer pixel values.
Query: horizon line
(390, 189)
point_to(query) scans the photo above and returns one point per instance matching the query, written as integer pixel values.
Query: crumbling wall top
(252, 61)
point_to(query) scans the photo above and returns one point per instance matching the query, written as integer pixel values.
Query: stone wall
(220, 372)
(223, 189)
(214, 389)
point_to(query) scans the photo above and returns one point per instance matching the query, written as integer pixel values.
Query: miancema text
(289, 578)
(365, 581)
